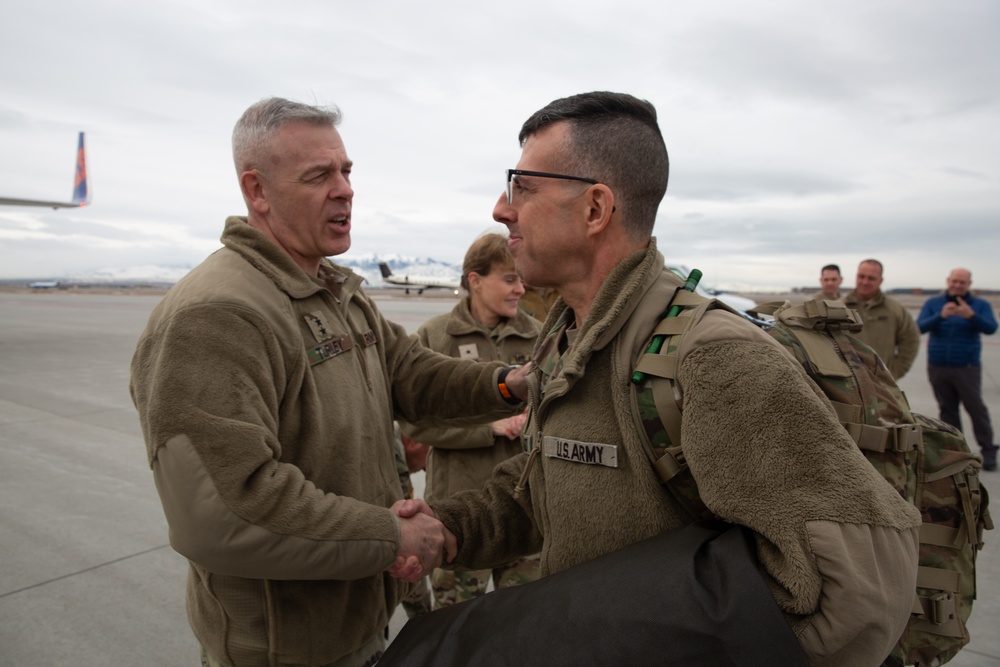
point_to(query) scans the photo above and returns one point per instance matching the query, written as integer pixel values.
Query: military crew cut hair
(486, 253)
(830, 267)
(615, 139)
(258, 125)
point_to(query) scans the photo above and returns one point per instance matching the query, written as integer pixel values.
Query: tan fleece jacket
(837, 544)
(889, 329)
(266, 400)
(460, 458)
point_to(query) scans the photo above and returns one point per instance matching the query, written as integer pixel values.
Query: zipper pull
(522, 482)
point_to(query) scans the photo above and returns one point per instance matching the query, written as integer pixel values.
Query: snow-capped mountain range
(364, 265)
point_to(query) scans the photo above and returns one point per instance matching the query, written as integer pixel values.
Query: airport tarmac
(87, 576)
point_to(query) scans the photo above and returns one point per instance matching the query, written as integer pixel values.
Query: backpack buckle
(941, 608)
(828, 315)
(671, 464)
(906, 437)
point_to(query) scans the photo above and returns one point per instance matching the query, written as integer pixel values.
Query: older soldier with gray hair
(266, 383)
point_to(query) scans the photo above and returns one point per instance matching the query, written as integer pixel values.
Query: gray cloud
(755, 184)
(798, 134)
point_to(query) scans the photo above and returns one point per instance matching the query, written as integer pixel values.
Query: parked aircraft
(419, 283)
(81, 190)
(738, 302)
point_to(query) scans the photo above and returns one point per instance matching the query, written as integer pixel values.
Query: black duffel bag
(691, 596)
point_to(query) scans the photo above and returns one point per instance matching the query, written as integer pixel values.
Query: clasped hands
(424, 542)
(959, 308)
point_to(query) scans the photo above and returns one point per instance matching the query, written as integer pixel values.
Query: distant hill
(364, 265)
(900, 291)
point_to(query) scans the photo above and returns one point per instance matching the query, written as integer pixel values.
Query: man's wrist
(502, 386)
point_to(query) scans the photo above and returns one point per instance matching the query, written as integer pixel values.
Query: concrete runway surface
(87, 577)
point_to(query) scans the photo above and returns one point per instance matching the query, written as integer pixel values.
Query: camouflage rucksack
(927, 461)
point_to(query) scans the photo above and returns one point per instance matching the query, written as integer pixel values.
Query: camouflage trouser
(419, 599)
(366, 656)
(454, 586)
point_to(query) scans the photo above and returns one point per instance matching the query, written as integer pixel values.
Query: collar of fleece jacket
(462, 323)
(618, 297)
(278, 266)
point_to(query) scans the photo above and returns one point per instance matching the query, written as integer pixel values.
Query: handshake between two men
(424, 542)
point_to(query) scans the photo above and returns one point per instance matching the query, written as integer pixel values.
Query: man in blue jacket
(955, 320)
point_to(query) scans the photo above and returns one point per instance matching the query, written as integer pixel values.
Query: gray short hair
(258, 125)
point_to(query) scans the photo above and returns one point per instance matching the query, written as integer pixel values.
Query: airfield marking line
(88, 569)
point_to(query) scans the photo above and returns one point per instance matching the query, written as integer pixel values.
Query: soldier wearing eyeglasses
(765, 449)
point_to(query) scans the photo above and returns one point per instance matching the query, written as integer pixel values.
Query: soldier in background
(486, 325)
(829, 281)
(889, 328)
(537, 301)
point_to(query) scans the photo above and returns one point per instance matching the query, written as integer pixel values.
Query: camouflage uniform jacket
(761, 440)
(460, 458)
(266, 399)
(889, 329)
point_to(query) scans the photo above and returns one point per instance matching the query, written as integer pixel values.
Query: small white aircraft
(81, 189)
(740, 303)
(419, 283)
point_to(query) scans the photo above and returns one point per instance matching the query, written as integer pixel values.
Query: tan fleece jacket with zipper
(837, 545)
(266, 399)
(889, 329)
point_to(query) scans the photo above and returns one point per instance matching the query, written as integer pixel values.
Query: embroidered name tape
(329, 349)
(590, 453)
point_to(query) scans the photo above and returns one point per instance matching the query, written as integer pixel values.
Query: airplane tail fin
(81, 187)
(386, 271)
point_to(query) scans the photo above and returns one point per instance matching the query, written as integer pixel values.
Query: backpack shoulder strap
(659, 398)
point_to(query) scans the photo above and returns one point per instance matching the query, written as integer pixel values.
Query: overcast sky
(800, 133)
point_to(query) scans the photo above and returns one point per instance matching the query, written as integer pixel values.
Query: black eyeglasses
(511, 173)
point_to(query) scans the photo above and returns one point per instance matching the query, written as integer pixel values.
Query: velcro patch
(328, 349)
(316, 320)
(591, 453)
